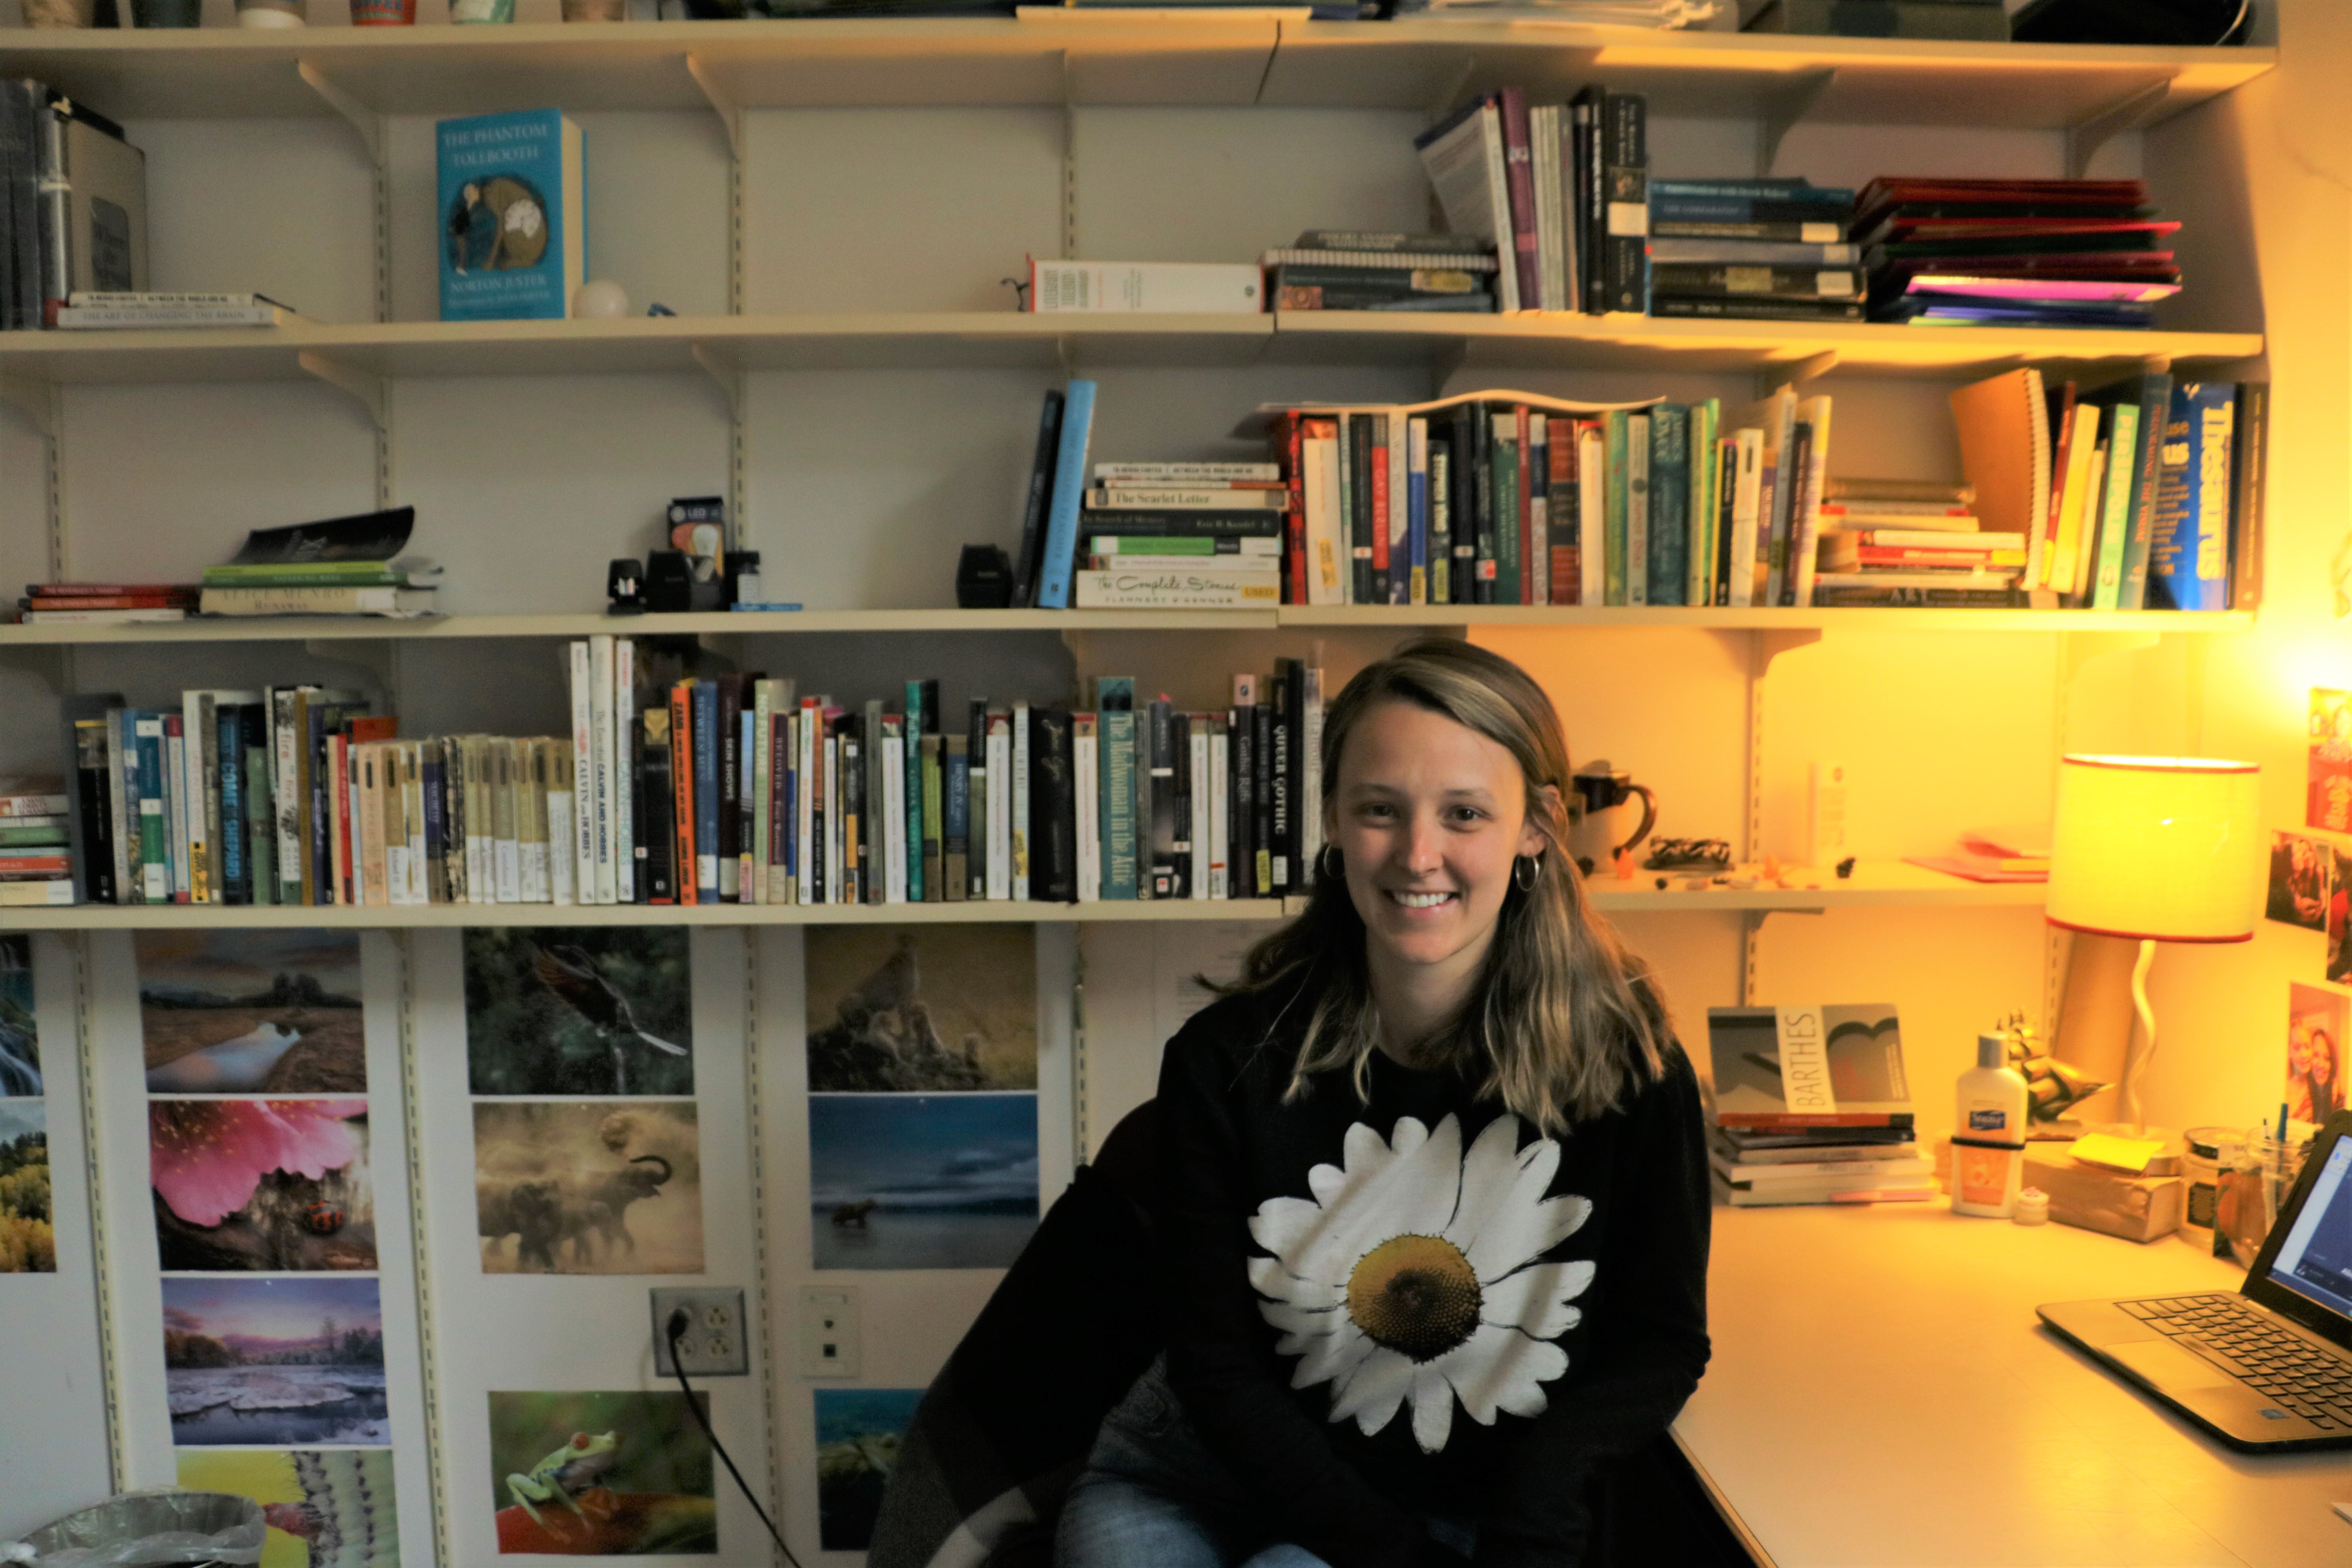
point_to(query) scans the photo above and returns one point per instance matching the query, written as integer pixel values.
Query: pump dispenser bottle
(1989, 1135)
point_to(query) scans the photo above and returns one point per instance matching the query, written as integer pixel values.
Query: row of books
(737, 788)
(1510, 498)
(1762, 249)
(726, 788)
(1558, 188)
(2145, 494)
(1811, 1104)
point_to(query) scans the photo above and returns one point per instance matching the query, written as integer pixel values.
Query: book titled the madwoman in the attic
(514, 227)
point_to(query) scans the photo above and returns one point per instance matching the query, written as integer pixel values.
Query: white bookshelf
(1873, 885)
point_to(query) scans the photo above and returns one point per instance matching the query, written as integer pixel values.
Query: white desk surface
(1882, 1396)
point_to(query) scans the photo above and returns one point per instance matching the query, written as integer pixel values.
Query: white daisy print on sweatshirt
(1413, 1274)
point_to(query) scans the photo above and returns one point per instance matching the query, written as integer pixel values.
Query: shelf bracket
(1789, 372)
(723, 103)
(31, 399)
(44, 663)
(366, 387)
(723, 375)
(364, 120)
(1751, 949)
(2094, 130)
(379, 657)
(1785, 107)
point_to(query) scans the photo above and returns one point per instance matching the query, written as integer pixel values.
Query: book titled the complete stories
(513, 216)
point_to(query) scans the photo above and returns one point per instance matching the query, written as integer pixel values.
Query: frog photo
(599, 1474)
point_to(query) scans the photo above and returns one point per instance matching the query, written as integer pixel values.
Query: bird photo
(584, 1011)
(919, 1009)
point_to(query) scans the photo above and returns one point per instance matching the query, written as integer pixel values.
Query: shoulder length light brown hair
(1565, 1022)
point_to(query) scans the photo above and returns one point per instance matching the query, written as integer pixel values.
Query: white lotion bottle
(1989, 1135)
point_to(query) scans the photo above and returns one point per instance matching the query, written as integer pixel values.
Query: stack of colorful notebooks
(1810, 1105)
(2045, 253)
(1771, 250)
(36, 854)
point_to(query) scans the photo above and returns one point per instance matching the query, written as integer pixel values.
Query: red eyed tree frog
(574, 1468)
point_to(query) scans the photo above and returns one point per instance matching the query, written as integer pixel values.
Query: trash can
(184, 1529)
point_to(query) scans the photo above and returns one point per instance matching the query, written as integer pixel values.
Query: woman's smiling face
(1428, 816)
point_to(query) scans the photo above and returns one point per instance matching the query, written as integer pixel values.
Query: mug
(1600, 816)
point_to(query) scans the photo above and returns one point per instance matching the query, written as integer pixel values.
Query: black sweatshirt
(1394, 1241)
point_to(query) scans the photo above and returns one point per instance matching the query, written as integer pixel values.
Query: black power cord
(677, 1326)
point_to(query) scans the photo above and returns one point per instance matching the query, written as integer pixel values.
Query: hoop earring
(1329, 865)
(1524, 871)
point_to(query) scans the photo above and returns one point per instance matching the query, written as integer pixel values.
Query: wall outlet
(715, 1344)
(830, 1341)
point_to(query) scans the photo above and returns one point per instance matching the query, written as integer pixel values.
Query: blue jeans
(1152, 1496)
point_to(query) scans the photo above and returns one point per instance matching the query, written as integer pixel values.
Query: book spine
(807, 755)
(1520, 183)
(1019, 741)
(1003, 784)
(1638, 440)
(338, 774)
(934, 802)
(1034, 507)
(1377, 511)
(1155, 815)
(1309, 812)
(2249, 473)
(1785, 519)
(895, 860)
(685, 871)
(1668, 533)
(625, 856)
(2189, 566)
(1441, 522)
(1241, 839)
(1069, 481)
(1536, 565)
(1198, 798)
(1416, 470)
(921, 817)
(1281, 819)
(1628, 202)
(1359, 459)
(175, 790)
(1290, 436)
(1053, 824)
(955, 817)
(1220, 878)
(1085, 786)
(1115, 702)
(706, 754)
(225, 734)
(1483, 503)
(603, 757)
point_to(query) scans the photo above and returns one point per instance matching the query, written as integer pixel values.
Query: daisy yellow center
(1415, 1294)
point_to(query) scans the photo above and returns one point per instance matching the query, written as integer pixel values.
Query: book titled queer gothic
(513, 220)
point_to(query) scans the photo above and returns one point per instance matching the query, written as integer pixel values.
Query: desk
(1882, 1396)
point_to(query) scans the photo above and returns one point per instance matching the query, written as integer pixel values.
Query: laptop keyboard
(2290, 1370)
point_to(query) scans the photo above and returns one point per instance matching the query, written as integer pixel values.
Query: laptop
(2270, 1368)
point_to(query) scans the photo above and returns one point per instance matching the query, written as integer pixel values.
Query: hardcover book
(511, 196)
(1832, 1065)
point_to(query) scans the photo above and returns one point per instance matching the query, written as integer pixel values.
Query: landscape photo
(20, 1041)
(271, 1186)
(283, 1362)
(602, 1475)
(922, 1180)
(579, 1011)
(28, 1241)
(603, 1187)
(858, 1435)
(326, 1507)
(252, 1011)
(922, 1008)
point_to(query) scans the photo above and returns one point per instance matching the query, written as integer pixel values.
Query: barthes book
(511, 197)
(1820, 1065)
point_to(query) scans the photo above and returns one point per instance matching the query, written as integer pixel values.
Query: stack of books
(36, 851)
(1331, 270)
(2047, 253)
(1183, 534)
(94, 310)
(1810, 1105)
(1773, 250)
(341, 566)
(73, 205)
(1909, 541)
(106, 604)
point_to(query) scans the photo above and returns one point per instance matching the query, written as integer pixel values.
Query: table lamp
(2158, 848)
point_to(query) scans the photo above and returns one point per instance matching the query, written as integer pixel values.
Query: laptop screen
(2315, 1260)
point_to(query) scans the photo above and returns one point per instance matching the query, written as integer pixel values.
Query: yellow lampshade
(2163, 847)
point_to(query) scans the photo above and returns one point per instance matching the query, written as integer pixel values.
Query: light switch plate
(715, 1344)
(831, 1344)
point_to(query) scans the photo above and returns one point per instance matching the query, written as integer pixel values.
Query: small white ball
(600, 298)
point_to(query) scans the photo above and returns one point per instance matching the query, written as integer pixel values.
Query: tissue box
(2137, 1209)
